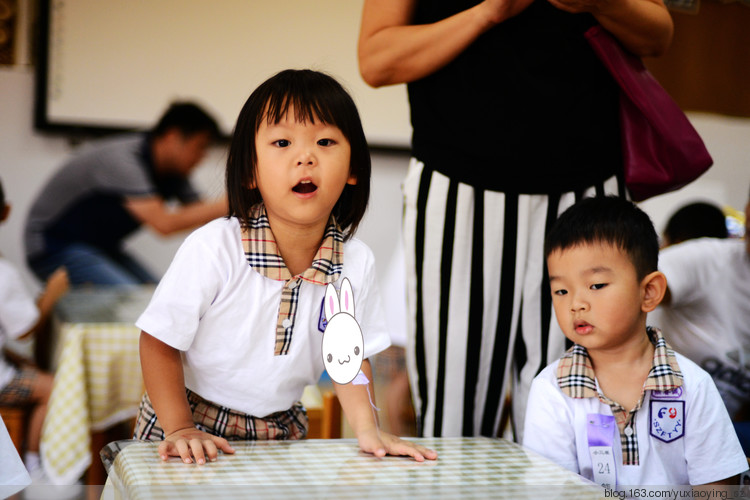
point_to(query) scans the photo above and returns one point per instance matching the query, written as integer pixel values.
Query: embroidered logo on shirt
(667, 420)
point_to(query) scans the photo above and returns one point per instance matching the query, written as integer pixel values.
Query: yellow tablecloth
(335, 468)
(97, 383)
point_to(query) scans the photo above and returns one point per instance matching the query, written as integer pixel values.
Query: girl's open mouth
(305, 187)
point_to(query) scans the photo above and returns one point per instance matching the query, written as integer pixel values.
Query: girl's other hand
(382, 443)
(190, 441)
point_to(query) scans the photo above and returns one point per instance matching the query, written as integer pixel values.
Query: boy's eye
(282, 143)
(598, 286)
(326, 142)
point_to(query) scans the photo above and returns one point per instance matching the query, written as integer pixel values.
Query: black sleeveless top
(527, 108)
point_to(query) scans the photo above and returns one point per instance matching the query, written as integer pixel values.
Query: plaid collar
(263, 256)
(576, 378)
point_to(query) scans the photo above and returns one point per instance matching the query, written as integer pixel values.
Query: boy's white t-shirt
(556, 427)
(222, 315)
(18, 312)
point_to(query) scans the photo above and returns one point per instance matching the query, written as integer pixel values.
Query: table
(98, 380)
(335, 468)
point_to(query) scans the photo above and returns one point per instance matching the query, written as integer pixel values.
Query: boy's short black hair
(188, 118)
(314, 96)
(696, 220)
(609, 220)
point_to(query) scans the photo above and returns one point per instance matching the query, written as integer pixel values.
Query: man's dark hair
(608, 220)
(188, 118)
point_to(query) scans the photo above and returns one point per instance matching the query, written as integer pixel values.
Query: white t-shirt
(18, 312)
(708, 450)
(13, 474)
(222, 314)
(708, 319)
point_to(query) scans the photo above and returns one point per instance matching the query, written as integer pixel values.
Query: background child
(233, 333)
(622, 408)
(20, 316)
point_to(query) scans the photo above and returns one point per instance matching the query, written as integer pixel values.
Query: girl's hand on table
(190, 441)
(382, 443)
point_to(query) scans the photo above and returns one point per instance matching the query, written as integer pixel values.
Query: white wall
(28, 158)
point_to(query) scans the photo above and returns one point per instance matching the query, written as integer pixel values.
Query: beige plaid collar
(263, 256)
(576, 377)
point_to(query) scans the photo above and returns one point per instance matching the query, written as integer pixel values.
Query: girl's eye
(282, 143)
(326, 142)
(598, 286)
(559, 292)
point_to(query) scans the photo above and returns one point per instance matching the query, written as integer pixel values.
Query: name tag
(601, 431)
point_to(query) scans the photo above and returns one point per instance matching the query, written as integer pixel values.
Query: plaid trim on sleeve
(263, 256)
(576, 379)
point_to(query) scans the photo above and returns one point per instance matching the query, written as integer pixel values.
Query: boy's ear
(654, 286)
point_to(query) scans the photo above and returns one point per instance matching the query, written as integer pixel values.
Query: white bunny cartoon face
(343, 344)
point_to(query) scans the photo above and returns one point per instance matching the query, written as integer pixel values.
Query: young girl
(233, 333)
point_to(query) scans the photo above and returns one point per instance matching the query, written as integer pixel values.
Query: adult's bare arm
(392, 50)
(643, 26)
(165, 220)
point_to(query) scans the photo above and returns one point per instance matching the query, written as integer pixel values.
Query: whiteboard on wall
(117, 64)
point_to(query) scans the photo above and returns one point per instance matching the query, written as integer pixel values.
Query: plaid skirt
(19, 390)
(227, 423)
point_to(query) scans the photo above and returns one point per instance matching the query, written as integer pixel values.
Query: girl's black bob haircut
(612, 221)
(313, 96)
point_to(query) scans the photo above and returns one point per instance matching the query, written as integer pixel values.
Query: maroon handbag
(661, 150)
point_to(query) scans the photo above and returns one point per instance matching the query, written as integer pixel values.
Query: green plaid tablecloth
(97, 384)
(336, 468)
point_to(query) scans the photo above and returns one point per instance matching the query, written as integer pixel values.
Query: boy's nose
(578, 304)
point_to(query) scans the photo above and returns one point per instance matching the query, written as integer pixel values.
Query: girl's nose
(306, 158)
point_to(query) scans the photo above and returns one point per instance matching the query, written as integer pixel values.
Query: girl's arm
(355, 402)
(391, 50)
(165, 384)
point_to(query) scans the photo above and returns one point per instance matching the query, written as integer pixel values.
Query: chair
(15, 419)
(324, 422)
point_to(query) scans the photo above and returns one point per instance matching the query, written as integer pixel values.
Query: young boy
(20, 316)
(620, 407)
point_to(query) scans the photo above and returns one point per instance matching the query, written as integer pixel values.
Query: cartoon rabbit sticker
(343, 344)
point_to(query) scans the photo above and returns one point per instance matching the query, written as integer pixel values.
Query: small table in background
(98, 382)
(335, 468)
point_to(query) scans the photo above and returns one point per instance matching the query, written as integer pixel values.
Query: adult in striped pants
(513, 118)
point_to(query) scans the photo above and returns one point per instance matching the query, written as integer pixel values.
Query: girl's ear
(654, 286)
(331, 304)
(352, 180)
(346, 297)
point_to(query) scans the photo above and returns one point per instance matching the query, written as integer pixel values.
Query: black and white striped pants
(479, 312)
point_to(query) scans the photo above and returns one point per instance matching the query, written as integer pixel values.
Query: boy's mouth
(305, 187)
(582, 328)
